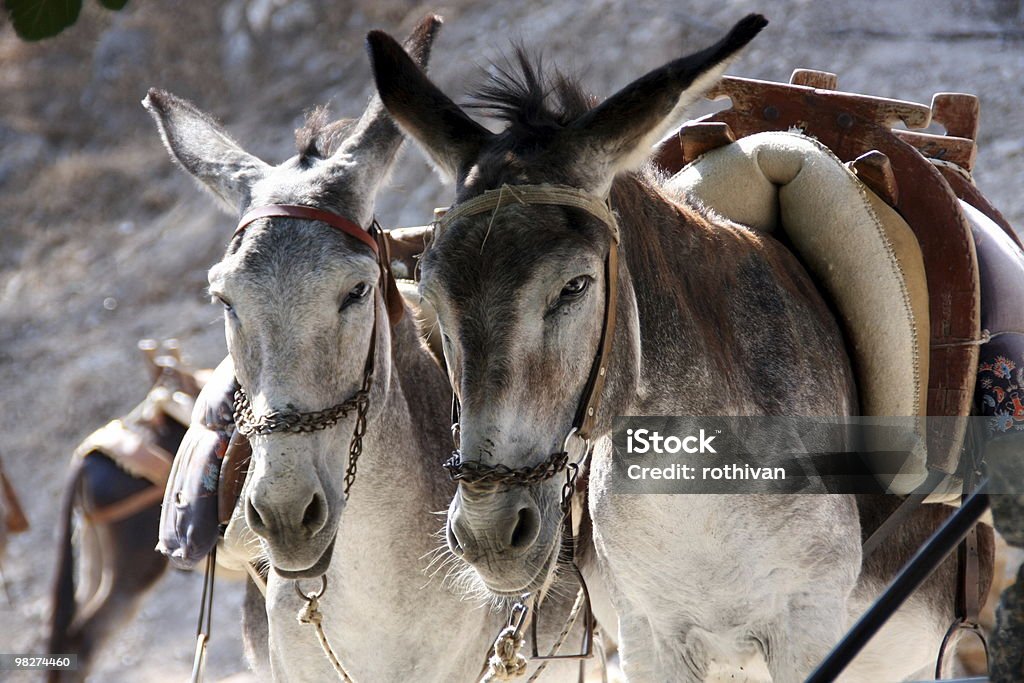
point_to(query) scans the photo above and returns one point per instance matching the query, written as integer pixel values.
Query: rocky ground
(102, 241)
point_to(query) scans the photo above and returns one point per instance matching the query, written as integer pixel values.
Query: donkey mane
(519, 92)
(318, 137)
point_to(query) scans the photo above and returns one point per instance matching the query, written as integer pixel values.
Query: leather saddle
(925, 179)
(130, 441)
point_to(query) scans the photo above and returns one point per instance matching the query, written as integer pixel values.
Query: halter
(479, 477)
(297, 422)
(476, 475)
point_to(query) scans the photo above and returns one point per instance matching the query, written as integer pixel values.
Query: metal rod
(901, 514)
(920, 567)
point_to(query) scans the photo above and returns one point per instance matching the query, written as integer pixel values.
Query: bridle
(475, 475)
(479, 477)
(297, 422)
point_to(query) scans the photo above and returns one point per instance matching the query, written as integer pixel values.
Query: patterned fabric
(1000, 389)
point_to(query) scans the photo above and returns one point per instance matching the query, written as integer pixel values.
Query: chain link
(294, 421)
(355, 446)
(480, 477)
(569, 487)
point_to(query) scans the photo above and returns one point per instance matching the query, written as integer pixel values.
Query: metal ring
(568, 437)
(312, 596)
(517, 616)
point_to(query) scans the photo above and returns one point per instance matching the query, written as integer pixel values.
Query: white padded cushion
(859, 250)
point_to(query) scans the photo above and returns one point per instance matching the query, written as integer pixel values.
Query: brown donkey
(711, 318)
(115, 487)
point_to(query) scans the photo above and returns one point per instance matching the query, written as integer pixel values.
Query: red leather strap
(307, 212)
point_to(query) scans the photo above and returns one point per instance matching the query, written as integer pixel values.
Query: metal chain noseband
(293, 421)
(480, 477)
(296, 422)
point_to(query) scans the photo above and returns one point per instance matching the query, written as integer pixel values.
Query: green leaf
(113, 4)
(38, 19)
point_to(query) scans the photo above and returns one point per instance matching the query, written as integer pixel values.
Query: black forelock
(319, 137)
(519, 92)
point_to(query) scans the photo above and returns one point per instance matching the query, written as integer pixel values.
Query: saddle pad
(189, 521)
(861, 253)
(129, 450)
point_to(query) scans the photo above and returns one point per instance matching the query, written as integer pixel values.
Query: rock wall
(103, 241)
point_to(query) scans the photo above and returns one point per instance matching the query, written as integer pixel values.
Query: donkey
(119, 511)
(712, 319)
(306, 312)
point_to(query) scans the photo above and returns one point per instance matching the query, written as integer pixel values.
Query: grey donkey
(302, 303)
(713, 319)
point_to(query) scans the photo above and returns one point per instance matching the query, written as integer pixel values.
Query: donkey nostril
(453, 540)
(524, 533)
(315, 514)
(254, 519)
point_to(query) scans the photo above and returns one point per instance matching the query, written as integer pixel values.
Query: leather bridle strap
(586, 414)
(563, 195)
(334, 220)
(374, 237)
(552, 195)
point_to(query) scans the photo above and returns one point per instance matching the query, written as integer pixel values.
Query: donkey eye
(225, 303)
(575, 288)
(357, 293)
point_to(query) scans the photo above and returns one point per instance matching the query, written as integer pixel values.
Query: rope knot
(507, 662)
(310, 612)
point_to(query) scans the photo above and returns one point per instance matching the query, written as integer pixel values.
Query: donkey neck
(680, 266)
(412, 428)
(747, 327)
(388, 618)
(408, 439)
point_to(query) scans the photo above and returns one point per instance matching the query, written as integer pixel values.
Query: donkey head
(520, 290)
(302, 303)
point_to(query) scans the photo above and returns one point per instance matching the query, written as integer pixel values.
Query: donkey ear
(204, 149)
(375, 138)
(446, 133)
(618, 134)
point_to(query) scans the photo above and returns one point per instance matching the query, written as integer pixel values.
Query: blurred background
(103, 241)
